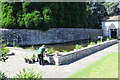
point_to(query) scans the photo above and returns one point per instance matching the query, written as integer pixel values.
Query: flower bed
(80, 53)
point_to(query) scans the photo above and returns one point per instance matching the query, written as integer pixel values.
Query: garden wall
(77, 54)
(54, 35)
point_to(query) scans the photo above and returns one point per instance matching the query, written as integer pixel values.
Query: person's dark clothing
(40, 55)
(40, 59)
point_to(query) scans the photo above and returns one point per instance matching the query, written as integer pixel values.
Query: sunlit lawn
(106, 67)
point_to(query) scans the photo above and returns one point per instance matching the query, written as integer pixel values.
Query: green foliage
(69, 14)
(37, 19)
(14, 44)
(34, 56)
(92, 43)
(32, 20)
(27, 58)
(26, 6)
(8, 18)
(108, 39)
(0, 15)
(111, 7)
(29, 74)
(28, 20)
(20, 19)
(99, 41)
(3, 52)
(31, 59)
(85, 45)
(37, 15)
(96, 12)
(78, 46)
(46, 12)
(51, 51)
(2, 76)
(64, 51)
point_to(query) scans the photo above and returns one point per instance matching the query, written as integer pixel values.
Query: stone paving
(16, 63)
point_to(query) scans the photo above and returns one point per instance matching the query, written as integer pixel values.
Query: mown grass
(106, 67)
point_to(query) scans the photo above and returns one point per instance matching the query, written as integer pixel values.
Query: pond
(64, 46)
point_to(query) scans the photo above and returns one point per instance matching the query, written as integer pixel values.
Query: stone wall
(77, 54)
(54, 35)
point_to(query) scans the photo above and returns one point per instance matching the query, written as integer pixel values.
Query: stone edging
(80, 53)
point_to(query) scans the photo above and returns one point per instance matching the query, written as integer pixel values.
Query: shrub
(28, 20)
(26, 58)
(78, 46)
(3, 52)
(29, 74)
(2, 76)
(85, 45)
(14, 44)
(51, 51)
(37, 19)
(34, 56)
(99, 41)
(46, 11)
(108, 39)
(64, 51)
(92, 43)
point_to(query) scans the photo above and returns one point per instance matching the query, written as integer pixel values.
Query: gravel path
(16, 63)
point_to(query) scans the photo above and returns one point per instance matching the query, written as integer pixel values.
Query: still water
(65, 46)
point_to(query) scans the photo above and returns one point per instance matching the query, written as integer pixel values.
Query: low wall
(77, 54)
(53, 35)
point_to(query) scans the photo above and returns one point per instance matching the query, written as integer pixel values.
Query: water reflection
(65, 46)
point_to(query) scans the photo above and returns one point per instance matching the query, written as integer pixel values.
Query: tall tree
(83, 15)
(0, 16)
(111, 7)
(32, 15)
(8, 15)
(96, 12)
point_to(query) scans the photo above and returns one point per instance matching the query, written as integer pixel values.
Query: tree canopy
(38, 15)
(99, 10)
(45, 15)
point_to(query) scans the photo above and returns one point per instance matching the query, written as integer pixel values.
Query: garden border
(71, 56)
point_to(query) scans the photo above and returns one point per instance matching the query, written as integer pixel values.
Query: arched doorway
(113, 33)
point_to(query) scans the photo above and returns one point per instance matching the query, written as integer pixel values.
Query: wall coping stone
(60, 59)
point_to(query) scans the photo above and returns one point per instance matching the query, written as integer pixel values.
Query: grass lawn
(106, 67)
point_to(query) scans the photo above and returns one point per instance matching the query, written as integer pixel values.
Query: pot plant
(50, 52)
(30, 61)
(26, 59)
(33, 58)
